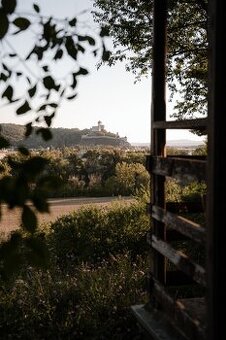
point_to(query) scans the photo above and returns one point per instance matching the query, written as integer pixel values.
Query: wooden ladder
(169, 314)
(199, 316)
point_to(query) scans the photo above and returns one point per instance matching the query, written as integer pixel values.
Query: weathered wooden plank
(184, 170)
(195, 157)
(156, 325)
(186, 227)
(181, 124)
(196, 307)
(192, 326)
(158, 112)
(180, 260)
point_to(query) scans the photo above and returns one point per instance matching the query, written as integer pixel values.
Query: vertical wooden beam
(216, 202)
(158, 112)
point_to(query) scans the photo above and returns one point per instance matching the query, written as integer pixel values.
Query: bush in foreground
(97, 272)
(93, 234)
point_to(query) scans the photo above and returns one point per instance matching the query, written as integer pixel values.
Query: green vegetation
(130, 24)
(95, 172)
(98, 257)
(61, 137)
(97, 271)
(29, 83)
(94, 235)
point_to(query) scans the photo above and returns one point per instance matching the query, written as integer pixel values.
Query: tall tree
(130, 23)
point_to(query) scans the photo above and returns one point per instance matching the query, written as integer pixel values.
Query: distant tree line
(95, 172)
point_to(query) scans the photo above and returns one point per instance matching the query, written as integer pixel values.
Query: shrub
(93, 234)
(95, 276)
(92, 303)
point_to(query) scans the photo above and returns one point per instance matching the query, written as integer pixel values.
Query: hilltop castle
(97, 135)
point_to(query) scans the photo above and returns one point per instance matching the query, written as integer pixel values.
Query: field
(10, 219)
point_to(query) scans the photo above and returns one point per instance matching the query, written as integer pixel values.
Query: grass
(85, 294)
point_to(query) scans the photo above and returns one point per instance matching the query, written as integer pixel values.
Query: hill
(186, 143)
(62, 137)
(178, 143)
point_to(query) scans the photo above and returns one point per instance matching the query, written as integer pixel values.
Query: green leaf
(72, 97)
(46, 133)
(48, 119)
(82, 71)
(24, 151)
(81, 48)
(4, 143)
(106, 54)
(90, 40)
(3, 77)
(38, 50)
(74, 83)
(49, 83)
(34, 166)
(81, 38)
(29, 219)
(23, 108)
(22, 23)
(40, 203)
(71, 49)
(36, 8)
(28, 130)
(32, 91)
(73, 22)
(4, 23)
(54, 105)
(6, 188)
(45, 68)
(9, 6)
(21, 190)
(5, 67)
(104, 32)
(42, 107)
(58, 54)
(8, 93)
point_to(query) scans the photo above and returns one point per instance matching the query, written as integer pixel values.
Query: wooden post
(158, 112)
(216, 206)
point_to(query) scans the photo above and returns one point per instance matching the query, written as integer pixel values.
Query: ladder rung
(179, 259)
(179, 168)
(186, 227)
(181, 124)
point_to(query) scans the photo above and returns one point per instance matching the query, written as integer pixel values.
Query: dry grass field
(10, 219)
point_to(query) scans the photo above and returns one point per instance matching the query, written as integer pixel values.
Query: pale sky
(107, 94)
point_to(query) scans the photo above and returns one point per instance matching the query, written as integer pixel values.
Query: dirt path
(10, 219)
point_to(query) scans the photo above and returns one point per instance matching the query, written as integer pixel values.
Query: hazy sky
(107, 94)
